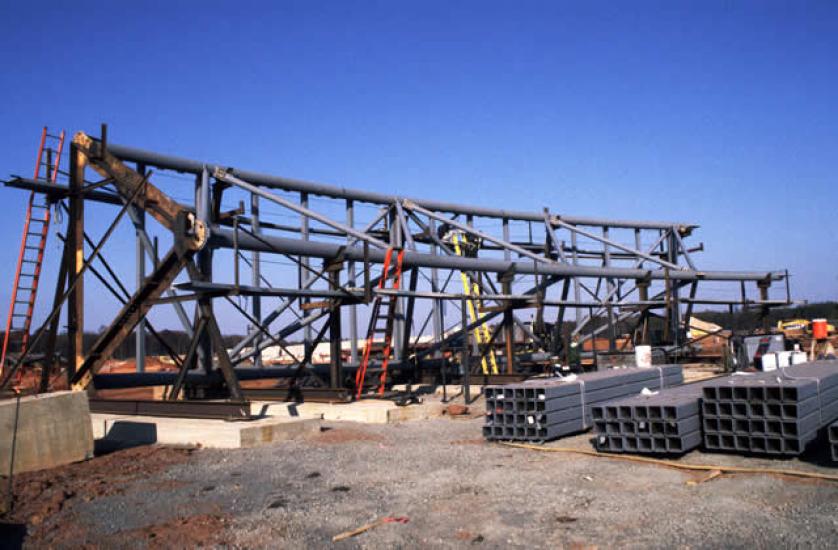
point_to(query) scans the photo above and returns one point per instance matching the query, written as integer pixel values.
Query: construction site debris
(364, 528)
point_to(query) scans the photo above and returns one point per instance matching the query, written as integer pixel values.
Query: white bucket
(798, 357)
(769, 362)
(643, 356)
(783, 358)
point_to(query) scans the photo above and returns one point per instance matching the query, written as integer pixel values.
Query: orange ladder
(383, 307)
(31, 256)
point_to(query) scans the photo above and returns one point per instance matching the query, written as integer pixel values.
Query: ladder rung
(30, 261)
(31, 247)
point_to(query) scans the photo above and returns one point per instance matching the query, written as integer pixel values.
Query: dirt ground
(452, 489)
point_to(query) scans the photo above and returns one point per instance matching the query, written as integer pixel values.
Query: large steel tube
(223, 237)
(179, 164)
(145, 379)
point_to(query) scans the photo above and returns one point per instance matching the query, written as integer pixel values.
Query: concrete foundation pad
(120, 430)
(371, 411)
(451, 390)
(282, 409)
(49, 430)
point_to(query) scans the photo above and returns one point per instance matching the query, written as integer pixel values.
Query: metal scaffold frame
(610, 272)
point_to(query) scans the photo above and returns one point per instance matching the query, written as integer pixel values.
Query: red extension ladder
(31, 255)
(386, 304)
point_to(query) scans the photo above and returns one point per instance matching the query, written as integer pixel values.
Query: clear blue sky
(718, 113)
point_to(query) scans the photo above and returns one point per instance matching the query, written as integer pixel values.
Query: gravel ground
(456, 490)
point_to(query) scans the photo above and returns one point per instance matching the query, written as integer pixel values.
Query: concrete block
(52, 429)
(123, 431)
(474, 391)
(371, 411)
(282, 410)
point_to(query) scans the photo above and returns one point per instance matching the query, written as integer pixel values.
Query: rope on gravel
(679, 465)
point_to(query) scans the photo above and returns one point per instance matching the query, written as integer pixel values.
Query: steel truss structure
(610, 273)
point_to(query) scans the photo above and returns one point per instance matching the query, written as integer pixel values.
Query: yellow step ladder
(481, 331)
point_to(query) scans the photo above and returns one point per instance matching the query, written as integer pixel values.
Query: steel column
(256, 271)
(353, 309)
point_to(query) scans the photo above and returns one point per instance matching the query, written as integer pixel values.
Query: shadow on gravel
(12, 535)
(818, 453)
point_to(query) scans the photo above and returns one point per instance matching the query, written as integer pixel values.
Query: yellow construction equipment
(472, 289)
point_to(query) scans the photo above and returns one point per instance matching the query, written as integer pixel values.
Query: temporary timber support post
(75, 239)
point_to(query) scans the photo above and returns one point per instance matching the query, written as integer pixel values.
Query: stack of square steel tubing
(548, 408)
(666, 422)
(833, 441)
(775, 413)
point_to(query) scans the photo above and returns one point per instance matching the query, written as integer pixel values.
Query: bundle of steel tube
(664, 422)
(833, 441)
(548, 408)
(775, 413)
